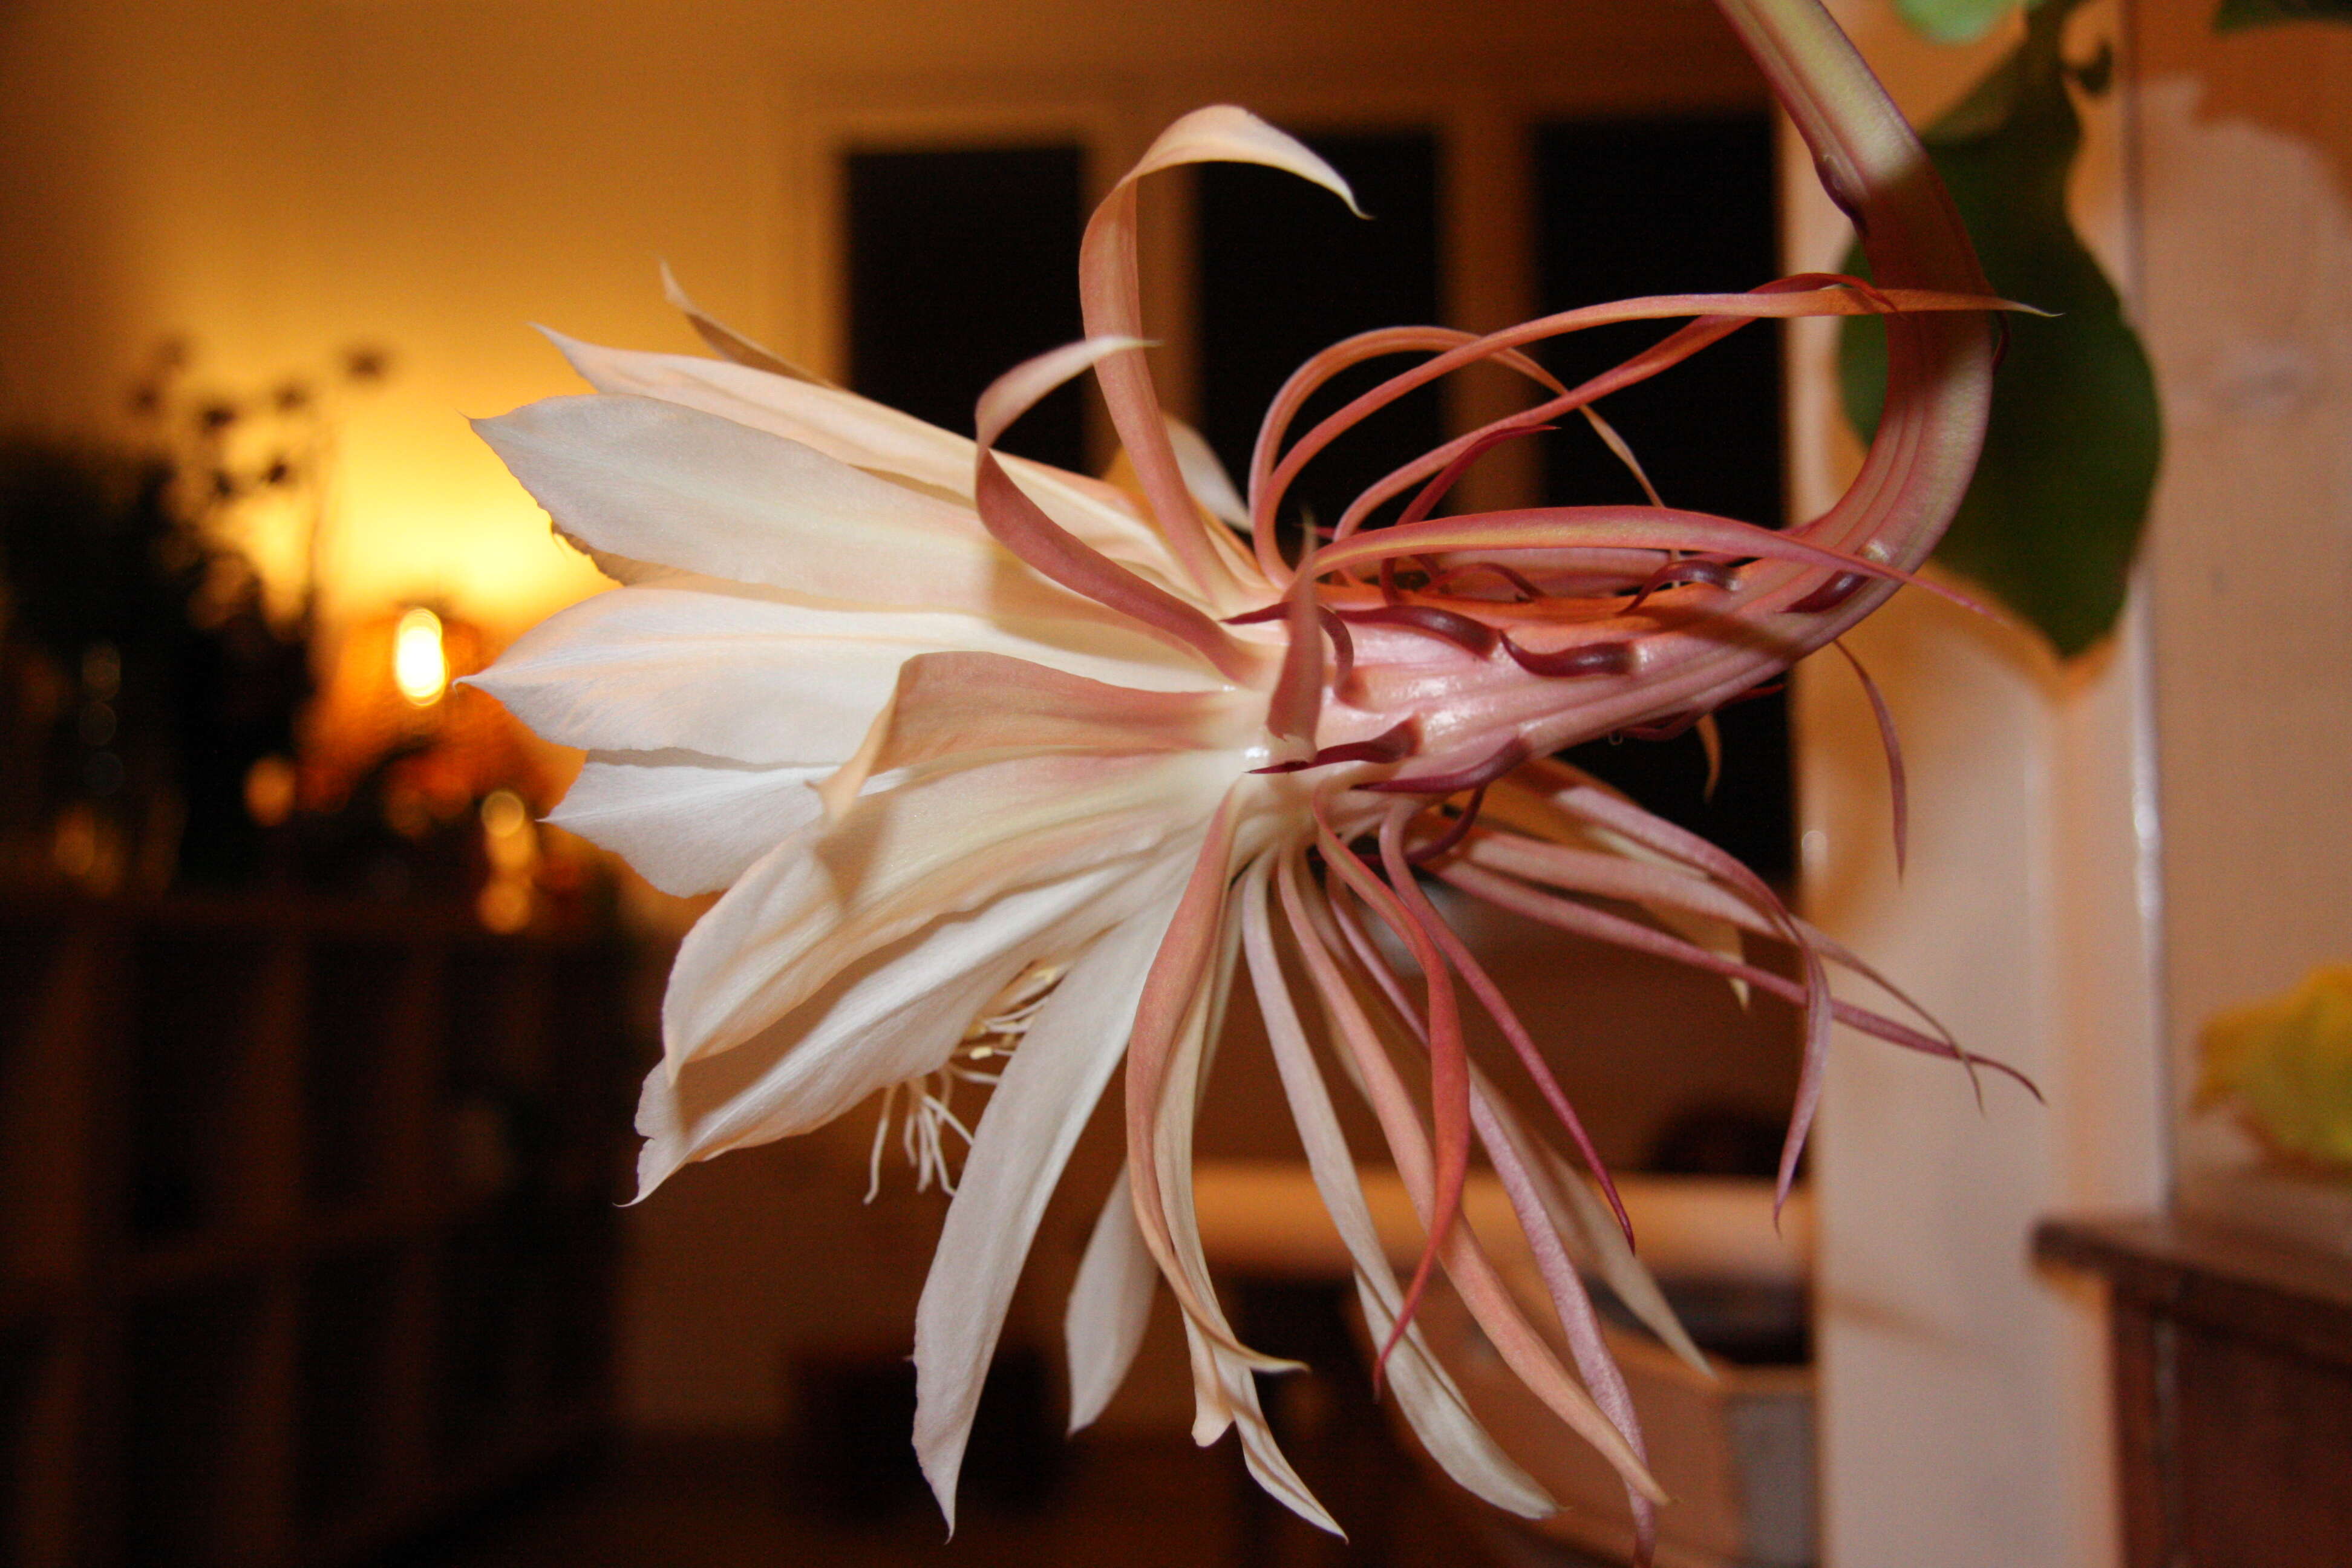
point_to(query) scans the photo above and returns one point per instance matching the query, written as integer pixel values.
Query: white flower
(998, 764)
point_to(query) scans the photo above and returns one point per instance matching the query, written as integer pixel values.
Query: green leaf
(2054, 515)
(1955, 21)
(2237, 15)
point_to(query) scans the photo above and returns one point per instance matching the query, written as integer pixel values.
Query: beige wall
(279, 177)
(2246, 271)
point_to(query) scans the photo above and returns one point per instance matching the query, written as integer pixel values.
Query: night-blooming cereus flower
(1007, 773)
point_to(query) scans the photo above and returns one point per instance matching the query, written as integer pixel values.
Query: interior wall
(2246, 147)
(277, 178)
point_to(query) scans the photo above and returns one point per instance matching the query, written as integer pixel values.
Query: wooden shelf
(307, 1223)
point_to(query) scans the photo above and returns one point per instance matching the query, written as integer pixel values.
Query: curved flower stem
(1939, 376)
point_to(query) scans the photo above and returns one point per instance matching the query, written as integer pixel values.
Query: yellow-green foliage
(2285, 1064)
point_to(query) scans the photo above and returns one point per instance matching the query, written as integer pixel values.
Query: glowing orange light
(420, 666)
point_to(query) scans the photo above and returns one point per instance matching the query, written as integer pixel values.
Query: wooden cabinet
(307, 1223)
(2232, 1369)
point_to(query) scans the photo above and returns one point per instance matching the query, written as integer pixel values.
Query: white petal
(895, 1014)
(866, 434)
(1236, 1392)
(659, 668)
(654, 480)
(852, 430)
(699, 665)
(689, 824)
(1042, 1102)
(937, 845)
(889, 1018)
(1110, 1306)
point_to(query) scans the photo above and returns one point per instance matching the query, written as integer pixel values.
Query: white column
(1963, 1402)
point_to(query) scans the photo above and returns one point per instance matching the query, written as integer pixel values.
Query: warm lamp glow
(419, 665)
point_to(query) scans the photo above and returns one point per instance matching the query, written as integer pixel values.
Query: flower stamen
(929, 1115)
(993, 1034)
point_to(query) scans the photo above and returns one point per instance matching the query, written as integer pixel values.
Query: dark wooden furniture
(307, 1223)
(2233, 1366)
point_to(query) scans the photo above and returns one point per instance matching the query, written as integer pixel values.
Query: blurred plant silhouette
(145, 672)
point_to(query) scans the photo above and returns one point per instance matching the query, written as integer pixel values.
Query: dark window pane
(1632, 208)
(1663, 206)
(963, 263)
(1285, 270)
